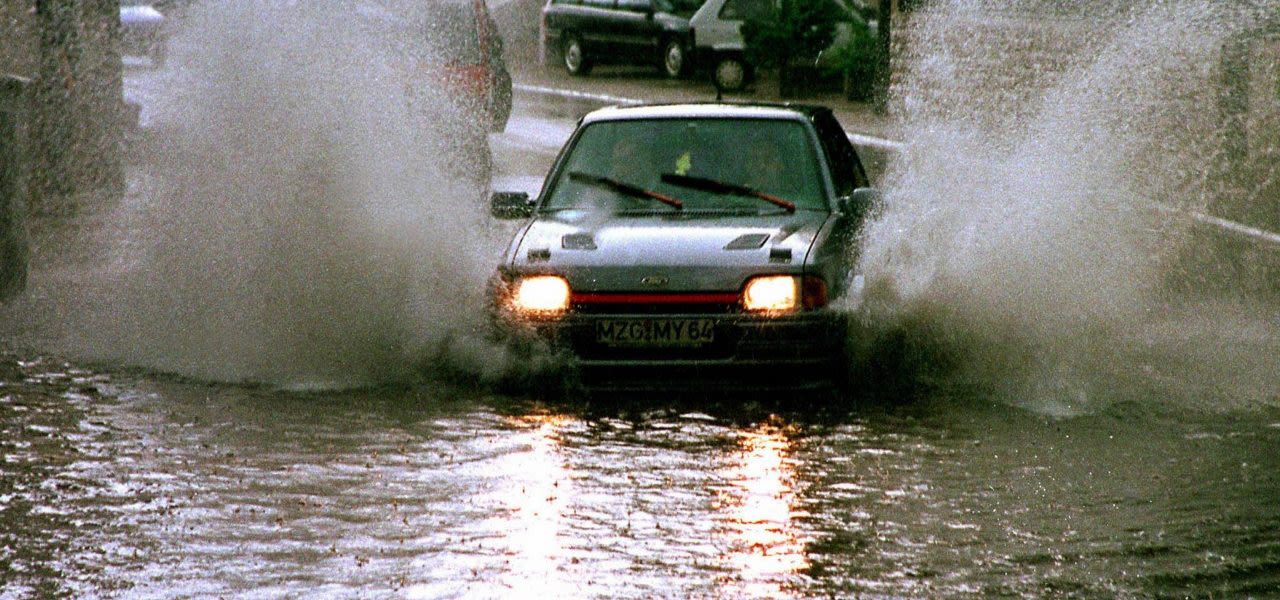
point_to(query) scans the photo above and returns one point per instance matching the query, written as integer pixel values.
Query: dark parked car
(698, 244)
(590, 32)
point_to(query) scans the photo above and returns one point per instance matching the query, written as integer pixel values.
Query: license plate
(655, 332)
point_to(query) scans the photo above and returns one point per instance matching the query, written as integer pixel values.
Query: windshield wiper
(716, 186)
(625, 189)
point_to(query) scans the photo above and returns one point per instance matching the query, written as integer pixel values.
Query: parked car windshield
(776, 157)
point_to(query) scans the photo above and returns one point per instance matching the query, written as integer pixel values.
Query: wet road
(150, 487)
(118, 482)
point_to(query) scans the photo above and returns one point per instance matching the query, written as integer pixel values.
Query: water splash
(299, 220)
(1019, 249)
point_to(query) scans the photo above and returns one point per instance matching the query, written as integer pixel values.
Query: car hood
(665, 252)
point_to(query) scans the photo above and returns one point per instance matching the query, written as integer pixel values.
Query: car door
(584, 18)
(724, 32)
(558, 16)
(601, 27)
(639, 32)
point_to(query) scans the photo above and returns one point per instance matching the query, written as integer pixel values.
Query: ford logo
(654, 281)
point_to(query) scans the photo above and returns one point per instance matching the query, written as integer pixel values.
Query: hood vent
(578, 241)
(779, 255)
(748, 241)
(539, 254)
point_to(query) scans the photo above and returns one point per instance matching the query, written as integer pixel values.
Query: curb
(601, 100)
(888, 145)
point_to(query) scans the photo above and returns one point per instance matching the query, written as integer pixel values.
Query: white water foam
(295, 222)
(1018, 244)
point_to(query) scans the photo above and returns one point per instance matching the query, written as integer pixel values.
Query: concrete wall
(1262, 127)
(13, 184)
(20, 50)
(71, 50)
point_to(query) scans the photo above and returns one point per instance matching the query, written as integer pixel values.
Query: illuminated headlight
(541, 294)
(783, 293)
(773, 293)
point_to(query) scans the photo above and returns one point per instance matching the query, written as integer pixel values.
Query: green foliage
(857, 61)
(798, 29)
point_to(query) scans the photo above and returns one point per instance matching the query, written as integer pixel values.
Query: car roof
(702, 110)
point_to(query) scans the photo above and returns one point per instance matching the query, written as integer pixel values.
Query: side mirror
(861, 202)
(511, 205)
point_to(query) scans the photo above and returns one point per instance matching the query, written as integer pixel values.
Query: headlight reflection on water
(536, 513)
(517, 544)
(764, 547)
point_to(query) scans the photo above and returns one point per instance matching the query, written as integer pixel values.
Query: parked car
(143, 31)
(719, 47)
(647, 32)
(701, 244)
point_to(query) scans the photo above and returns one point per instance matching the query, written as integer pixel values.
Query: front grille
(654, 303)
(692, 308)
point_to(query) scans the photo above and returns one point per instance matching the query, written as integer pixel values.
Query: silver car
(689, 245)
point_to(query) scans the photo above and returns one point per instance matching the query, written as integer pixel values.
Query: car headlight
(541, 294)
(782, 293)
(771, 293)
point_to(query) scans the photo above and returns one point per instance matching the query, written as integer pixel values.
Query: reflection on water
(533, 520)
(760, 506)
(161, 489)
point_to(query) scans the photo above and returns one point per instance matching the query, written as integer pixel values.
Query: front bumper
(749, 352)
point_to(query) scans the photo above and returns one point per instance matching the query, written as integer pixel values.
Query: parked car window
(742, 10)
(772, 156)
(687, 7)
(640, 6)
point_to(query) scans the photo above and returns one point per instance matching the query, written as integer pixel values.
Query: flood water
(130, 485)
(232, 383)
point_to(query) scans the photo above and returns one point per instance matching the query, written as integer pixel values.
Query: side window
(846, 170)
(742, 10)
(638, 6)
(598, 3)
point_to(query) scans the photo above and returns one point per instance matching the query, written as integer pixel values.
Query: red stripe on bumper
(628, 298)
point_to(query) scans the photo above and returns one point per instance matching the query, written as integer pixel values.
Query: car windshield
(664, 156)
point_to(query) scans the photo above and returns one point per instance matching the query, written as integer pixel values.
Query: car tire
(575, 56)
(730, 74)
(674, 59)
